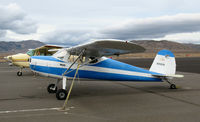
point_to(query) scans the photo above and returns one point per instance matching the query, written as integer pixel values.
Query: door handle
(62, 64)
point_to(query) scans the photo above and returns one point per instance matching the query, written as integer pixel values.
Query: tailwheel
(52, 88)
(61, 94)
(19, 73)
(173, 86)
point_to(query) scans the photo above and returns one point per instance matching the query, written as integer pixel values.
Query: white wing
(105, 48)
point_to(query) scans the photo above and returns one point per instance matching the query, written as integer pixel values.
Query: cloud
(154, 27)
(69, 37)
(2, 33)
(183, 37)
(14, 19)
(147, 28)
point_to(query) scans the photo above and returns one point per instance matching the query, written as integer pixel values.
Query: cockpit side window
(65, 56)
(72, 58)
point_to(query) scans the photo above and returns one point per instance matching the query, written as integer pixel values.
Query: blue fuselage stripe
(92, 74)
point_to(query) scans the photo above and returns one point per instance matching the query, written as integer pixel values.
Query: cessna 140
(89, 62)
(21, 60)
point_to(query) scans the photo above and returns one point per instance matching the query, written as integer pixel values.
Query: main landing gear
(19, 73)
(61, 94)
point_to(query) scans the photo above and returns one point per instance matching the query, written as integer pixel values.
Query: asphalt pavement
(25, 98)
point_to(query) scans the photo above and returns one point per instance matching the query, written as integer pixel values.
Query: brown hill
(155, 46)
(194, 46)
(19, 47)
(150, 45)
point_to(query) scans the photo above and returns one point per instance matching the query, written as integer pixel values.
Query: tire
(173, 86)
(51, 89)
(19, 73)
(61, 94)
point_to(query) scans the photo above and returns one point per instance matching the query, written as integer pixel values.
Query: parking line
(29, 110)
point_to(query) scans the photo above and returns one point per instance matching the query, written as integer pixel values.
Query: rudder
(164, 63)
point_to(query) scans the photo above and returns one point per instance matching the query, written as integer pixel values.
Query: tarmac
(25, 98)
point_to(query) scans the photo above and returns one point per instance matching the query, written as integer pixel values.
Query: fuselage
(103, 69)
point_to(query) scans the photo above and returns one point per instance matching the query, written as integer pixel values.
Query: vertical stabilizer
(164, 63)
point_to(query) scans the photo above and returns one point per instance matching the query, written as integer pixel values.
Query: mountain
(19, 47)
(155, 46)
(150, 45)
(194, 46)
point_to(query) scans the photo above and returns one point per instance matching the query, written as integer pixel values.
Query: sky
(73, 22)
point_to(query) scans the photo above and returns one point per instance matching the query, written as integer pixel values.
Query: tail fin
(164, 63)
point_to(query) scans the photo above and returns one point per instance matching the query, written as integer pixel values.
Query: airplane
(89, 61)
(21, 60)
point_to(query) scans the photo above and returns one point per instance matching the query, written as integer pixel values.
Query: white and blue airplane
(92, 64)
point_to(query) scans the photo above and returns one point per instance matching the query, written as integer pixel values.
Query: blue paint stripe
(92, 74)
(48, 58)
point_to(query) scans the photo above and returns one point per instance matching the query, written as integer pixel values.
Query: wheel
(19, 73)
(61, 94)
(173, 86)
(52, 88)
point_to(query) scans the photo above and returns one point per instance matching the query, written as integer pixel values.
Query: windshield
(31, 52)
(61, 54)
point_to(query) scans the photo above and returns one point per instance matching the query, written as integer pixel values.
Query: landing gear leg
(61, 94)
(172, 86)
(19, 73)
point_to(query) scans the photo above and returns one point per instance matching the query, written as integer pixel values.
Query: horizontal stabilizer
(175, 76)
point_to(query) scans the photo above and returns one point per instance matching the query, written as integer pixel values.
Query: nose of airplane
(8, 58)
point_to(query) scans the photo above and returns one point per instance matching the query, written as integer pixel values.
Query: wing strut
(69, 92)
